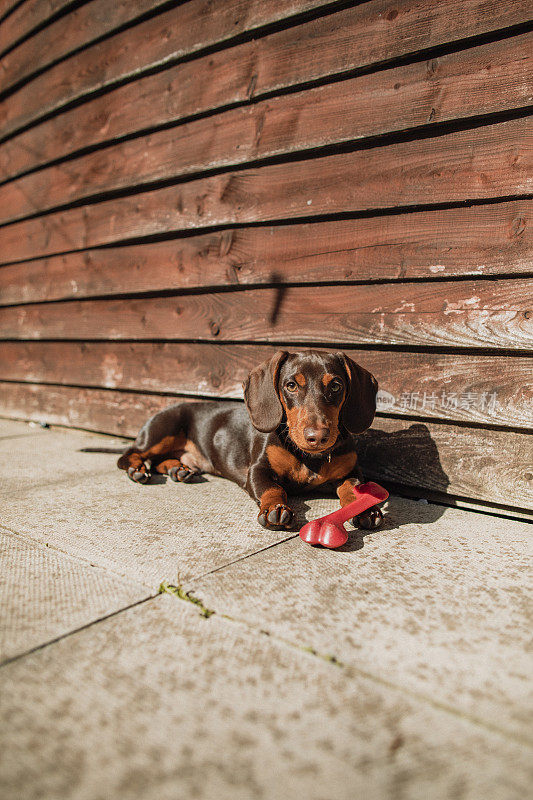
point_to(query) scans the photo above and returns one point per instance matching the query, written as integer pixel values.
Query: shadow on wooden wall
(409, 456)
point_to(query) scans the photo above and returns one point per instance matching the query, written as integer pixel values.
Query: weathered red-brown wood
(482, 240)
(33, 13)
(24, 19)
(474, 164)
(454, 314)
(133, 356)
(495, 390)
(480, 80)
(7, 7)
(371, 105)
(477, 463)
(314, 50)
(78, 28)
(93, 409)
(185, 29)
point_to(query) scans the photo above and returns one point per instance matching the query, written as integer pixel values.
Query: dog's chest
(287, 466)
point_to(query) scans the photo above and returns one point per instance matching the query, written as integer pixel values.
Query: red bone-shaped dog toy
(329, 531)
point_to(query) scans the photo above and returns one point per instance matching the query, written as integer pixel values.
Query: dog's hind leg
(176, 470)
(160, 443)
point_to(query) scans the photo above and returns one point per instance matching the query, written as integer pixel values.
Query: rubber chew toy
(329, 531)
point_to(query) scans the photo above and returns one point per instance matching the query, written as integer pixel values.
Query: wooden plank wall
(187, 186)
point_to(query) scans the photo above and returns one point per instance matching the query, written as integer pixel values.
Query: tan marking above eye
(327, 379)
(299, 378)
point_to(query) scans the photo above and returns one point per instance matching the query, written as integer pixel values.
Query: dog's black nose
(316, 436)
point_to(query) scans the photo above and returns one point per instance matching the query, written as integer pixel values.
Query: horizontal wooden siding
(185, 188)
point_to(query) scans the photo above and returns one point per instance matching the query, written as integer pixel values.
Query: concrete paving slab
(82, 504)
(11, 428)
(159, 702)
(44, 457)
(439, 604)
(149, 533)
(45, 594)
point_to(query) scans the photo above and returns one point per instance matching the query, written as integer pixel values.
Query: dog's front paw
(370, 520)
(276, 517)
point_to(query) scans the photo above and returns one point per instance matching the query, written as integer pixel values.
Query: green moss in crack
(178, 591)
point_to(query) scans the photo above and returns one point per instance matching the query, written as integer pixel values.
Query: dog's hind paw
(138, 474)
(369, 520)
(182, 474)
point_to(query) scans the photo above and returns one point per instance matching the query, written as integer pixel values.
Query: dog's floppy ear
(261, 393)
(359, 405)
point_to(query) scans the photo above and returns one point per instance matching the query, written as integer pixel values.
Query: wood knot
(232, 273)
(225, 243)
(214, 328)
(392, 14)
(518, 226)
(251, 87)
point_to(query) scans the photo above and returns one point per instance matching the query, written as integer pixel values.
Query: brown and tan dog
(296, 432)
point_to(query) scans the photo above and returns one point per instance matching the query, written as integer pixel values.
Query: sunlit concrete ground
(396, 667)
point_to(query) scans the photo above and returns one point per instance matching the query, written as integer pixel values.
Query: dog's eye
(291, 386)
(335, 386)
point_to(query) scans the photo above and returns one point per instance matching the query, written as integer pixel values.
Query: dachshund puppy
(296, 432)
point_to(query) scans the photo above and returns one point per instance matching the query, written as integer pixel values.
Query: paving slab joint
(328, 657)
(178, 591)
(74, 631)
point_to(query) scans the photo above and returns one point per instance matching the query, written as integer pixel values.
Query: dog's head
(315, 393)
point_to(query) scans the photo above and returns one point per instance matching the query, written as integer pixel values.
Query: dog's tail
(116, 450)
